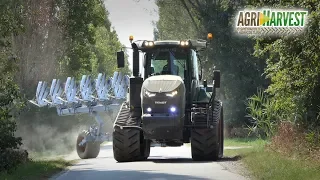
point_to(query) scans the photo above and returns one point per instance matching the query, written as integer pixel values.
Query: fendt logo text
(160, 102)
(271, 22)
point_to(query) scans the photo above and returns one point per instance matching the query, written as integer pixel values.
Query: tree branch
(192, 3)
(186, 7)
(198, 3)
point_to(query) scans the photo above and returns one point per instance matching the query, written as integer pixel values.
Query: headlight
(173, 93)
(148, 43)
(148, 94)
(184, 43)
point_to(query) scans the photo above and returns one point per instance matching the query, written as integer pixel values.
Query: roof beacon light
(210, 36)
(131, 38)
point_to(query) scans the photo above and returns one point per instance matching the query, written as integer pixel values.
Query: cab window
(168, 63)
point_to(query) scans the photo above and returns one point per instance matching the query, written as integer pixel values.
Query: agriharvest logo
(271, 22)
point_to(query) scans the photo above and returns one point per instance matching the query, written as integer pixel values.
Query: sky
(132, 17)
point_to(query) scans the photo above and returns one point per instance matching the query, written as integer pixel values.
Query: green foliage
(38, 169)
(107, 44)
(10, 98)
(293, 66)
(174, 22)
(263, 113)
(313, 138)
(10, 18)
(241, 73)
(290, 64)
(10, 104)
(263, 163)
(91, 45)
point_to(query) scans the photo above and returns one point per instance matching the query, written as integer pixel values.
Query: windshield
(168, 62)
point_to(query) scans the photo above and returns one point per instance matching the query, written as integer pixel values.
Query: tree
(293, 67)
(10, 98)
(174, 22)
(241, 72)
(51, 39)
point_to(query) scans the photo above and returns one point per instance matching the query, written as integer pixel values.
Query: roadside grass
(242, 141)
(37, 169)
(47, 155)
(263, 163)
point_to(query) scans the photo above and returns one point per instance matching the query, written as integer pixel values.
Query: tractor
(167, 104)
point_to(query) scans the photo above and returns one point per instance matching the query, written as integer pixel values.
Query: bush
(10, 158)
(292, 140)
(10, 154)
(10, 104)
(263, 114)
(241, 132)
(8, 140)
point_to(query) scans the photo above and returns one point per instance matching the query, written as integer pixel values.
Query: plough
(89, 97)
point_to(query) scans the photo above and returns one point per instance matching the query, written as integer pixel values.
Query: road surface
(163, 164)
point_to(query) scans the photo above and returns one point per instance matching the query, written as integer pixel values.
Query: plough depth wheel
(89, 149)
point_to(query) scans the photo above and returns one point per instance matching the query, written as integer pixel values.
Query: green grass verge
(263, 164)
(242, 142)
(37, 169)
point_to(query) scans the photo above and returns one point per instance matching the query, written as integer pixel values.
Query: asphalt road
(163, 164)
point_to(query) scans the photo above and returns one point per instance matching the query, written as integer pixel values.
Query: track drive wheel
(128, 144)
(89, 149)
(206, 144)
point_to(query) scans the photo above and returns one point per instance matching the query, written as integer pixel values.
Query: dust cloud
(54, 136)
(48, 141)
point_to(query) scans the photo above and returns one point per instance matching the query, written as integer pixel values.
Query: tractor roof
(146, 45)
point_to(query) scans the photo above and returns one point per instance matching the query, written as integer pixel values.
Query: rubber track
(205, 142)
(123, 118)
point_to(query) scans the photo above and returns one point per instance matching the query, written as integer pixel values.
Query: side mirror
(120, 59)
(216, 78)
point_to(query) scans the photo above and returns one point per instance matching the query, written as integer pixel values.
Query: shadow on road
(176, 160)
(234, 158)
(106, 147)
(123, 174)
(189, 160)
(160, 159)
